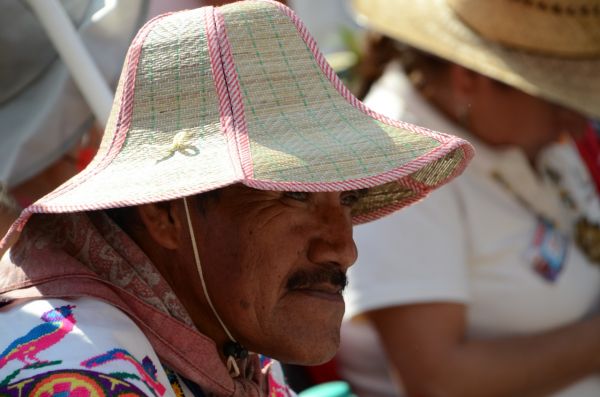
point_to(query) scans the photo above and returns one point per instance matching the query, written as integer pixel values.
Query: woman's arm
(429, 351)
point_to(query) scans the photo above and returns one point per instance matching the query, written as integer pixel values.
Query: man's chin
(318, 360)
(303, 334)
(308, 353)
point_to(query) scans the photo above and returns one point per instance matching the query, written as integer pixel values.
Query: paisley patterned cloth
(88, 255)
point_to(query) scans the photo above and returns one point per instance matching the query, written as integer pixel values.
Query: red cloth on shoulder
(589, 149)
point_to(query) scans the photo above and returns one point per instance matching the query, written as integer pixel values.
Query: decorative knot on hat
(180, 144)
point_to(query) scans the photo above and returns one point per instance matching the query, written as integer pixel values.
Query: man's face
(275, 264)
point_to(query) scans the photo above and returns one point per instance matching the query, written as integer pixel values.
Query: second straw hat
(547, 48)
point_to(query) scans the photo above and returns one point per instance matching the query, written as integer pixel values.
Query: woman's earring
(463, 114)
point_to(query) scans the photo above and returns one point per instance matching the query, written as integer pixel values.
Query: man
(216, 218)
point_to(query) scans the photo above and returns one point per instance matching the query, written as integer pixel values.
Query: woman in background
(505, 304)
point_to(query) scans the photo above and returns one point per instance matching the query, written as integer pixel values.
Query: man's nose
(333, 243)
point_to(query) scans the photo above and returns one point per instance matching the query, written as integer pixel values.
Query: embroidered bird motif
(145, 369)
(58, 323)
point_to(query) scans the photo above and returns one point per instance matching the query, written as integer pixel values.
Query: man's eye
(300, 196)
(350, 198)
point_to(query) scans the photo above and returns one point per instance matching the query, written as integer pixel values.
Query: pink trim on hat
(216, 65)
(235, 95)
(341, 88)
(415, 185)
(123, 124)
(175, 194)
(18, 225)
(468, 153)
(215, 29)
(395, 174)
(402, 175)
(124, 118)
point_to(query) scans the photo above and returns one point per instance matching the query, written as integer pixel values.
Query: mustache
(306, 278)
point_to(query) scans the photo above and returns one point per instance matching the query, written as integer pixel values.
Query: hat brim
(249, 114)
(432, 26)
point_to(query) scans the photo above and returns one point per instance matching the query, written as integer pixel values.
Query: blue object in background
(329, 389)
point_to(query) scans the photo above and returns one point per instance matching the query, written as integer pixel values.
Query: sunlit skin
(428, 344)
(274, 263)
(501, 115)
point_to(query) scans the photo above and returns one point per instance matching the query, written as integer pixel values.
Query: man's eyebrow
(361, 192)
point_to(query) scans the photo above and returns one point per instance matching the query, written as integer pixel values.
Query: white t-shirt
(471, 242)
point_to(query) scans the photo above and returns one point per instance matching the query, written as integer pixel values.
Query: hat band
(564, 28)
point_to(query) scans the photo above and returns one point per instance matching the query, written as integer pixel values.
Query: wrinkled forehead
(362, 210)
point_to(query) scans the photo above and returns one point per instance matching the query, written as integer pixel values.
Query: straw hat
(547, 48)
(240, 94)
(42, 113)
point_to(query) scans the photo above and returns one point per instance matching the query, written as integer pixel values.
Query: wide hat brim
(241, 94)
(433, 26)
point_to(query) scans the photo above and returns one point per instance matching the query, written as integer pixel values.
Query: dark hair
(381, 50)
(127, 218)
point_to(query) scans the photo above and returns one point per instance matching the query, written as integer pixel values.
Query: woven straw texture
(174, 144)
(212, 97)
(568, 28)
(564, 28)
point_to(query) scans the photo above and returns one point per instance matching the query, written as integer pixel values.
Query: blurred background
(61, 60)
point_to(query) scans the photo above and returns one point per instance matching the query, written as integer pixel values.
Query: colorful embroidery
(59, 322)
(549, 251)
(277, 385)
(277, 389)
(146, 369)
(71, 383)
(174, 382)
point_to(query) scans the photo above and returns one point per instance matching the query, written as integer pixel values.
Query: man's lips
(323, 287)
(323, 291)
(325, 279)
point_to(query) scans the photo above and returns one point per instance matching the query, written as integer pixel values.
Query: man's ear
(162, 222)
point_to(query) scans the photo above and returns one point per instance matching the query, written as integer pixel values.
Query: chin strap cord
(232, 349)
